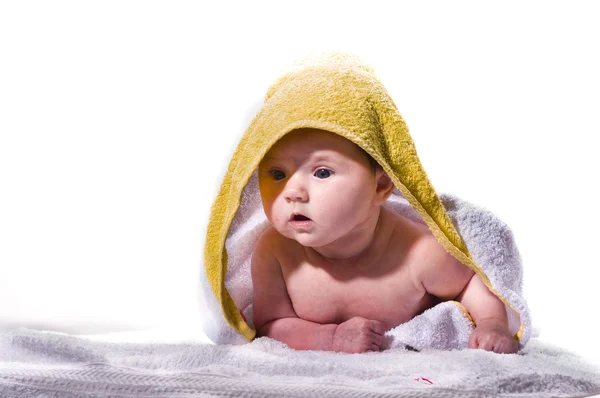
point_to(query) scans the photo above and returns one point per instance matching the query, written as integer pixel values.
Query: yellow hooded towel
(341, 94)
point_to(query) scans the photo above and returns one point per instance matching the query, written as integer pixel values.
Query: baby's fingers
(481, 342)
(487, 344)
(378, 327)
(377, 339)
(473, 341)
(508, 346)
(374, 348)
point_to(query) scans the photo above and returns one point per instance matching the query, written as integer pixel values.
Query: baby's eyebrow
(314, 158)
(319, 157)
(271, 158)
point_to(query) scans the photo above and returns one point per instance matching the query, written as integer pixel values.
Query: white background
(117, 120)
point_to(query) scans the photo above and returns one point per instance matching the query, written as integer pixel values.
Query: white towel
(34, 364)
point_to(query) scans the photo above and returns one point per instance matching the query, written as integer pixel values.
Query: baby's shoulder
(272, 242)
(415, 243)
(267, 241)
(268, 236)
(407, 232)
(433, 268)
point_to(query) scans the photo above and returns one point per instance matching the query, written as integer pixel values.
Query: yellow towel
(341, 94)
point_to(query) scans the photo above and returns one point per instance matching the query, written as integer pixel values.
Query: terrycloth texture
(35, 364)
(341, 94)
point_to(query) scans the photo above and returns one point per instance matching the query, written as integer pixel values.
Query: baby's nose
(294, 195)
(295, 191)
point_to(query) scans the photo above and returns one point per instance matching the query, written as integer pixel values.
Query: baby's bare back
(384, 288)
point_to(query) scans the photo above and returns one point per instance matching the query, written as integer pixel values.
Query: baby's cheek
(277, 212)
(335, 208)
(268, 209)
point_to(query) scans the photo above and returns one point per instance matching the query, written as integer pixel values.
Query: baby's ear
(385, 186)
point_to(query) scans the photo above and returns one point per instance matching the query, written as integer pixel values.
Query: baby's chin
(308, 239)
(314, 237)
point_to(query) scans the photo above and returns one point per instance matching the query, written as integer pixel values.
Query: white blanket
(41, 364)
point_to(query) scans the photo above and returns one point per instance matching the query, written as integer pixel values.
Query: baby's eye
(323, 173)
(277, 174)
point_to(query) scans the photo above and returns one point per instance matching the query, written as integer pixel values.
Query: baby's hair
(372, 162)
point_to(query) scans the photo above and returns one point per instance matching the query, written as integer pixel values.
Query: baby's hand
(358, 335)
(493, 336)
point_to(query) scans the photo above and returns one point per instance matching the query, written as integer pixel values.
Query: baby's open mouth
(299, 217)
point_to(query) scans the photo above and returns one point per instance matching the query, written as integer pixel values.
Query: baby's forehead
(313, 142)
(316, 155)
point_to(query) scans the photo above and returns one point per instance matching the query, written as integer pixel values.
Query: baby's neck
(361, 247)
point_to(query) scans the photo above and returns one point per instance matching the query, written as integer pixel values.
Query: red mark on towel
(424, 380)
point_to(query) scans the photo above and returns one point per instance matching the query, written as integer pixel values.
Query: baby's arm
(274, 315)
(489, 314)
(447, 278)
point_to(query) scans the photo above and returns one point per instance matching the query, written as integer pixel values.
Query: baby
(337, 268)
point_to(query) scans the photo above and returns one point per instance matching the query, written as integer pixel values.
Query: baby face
(316, 187)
